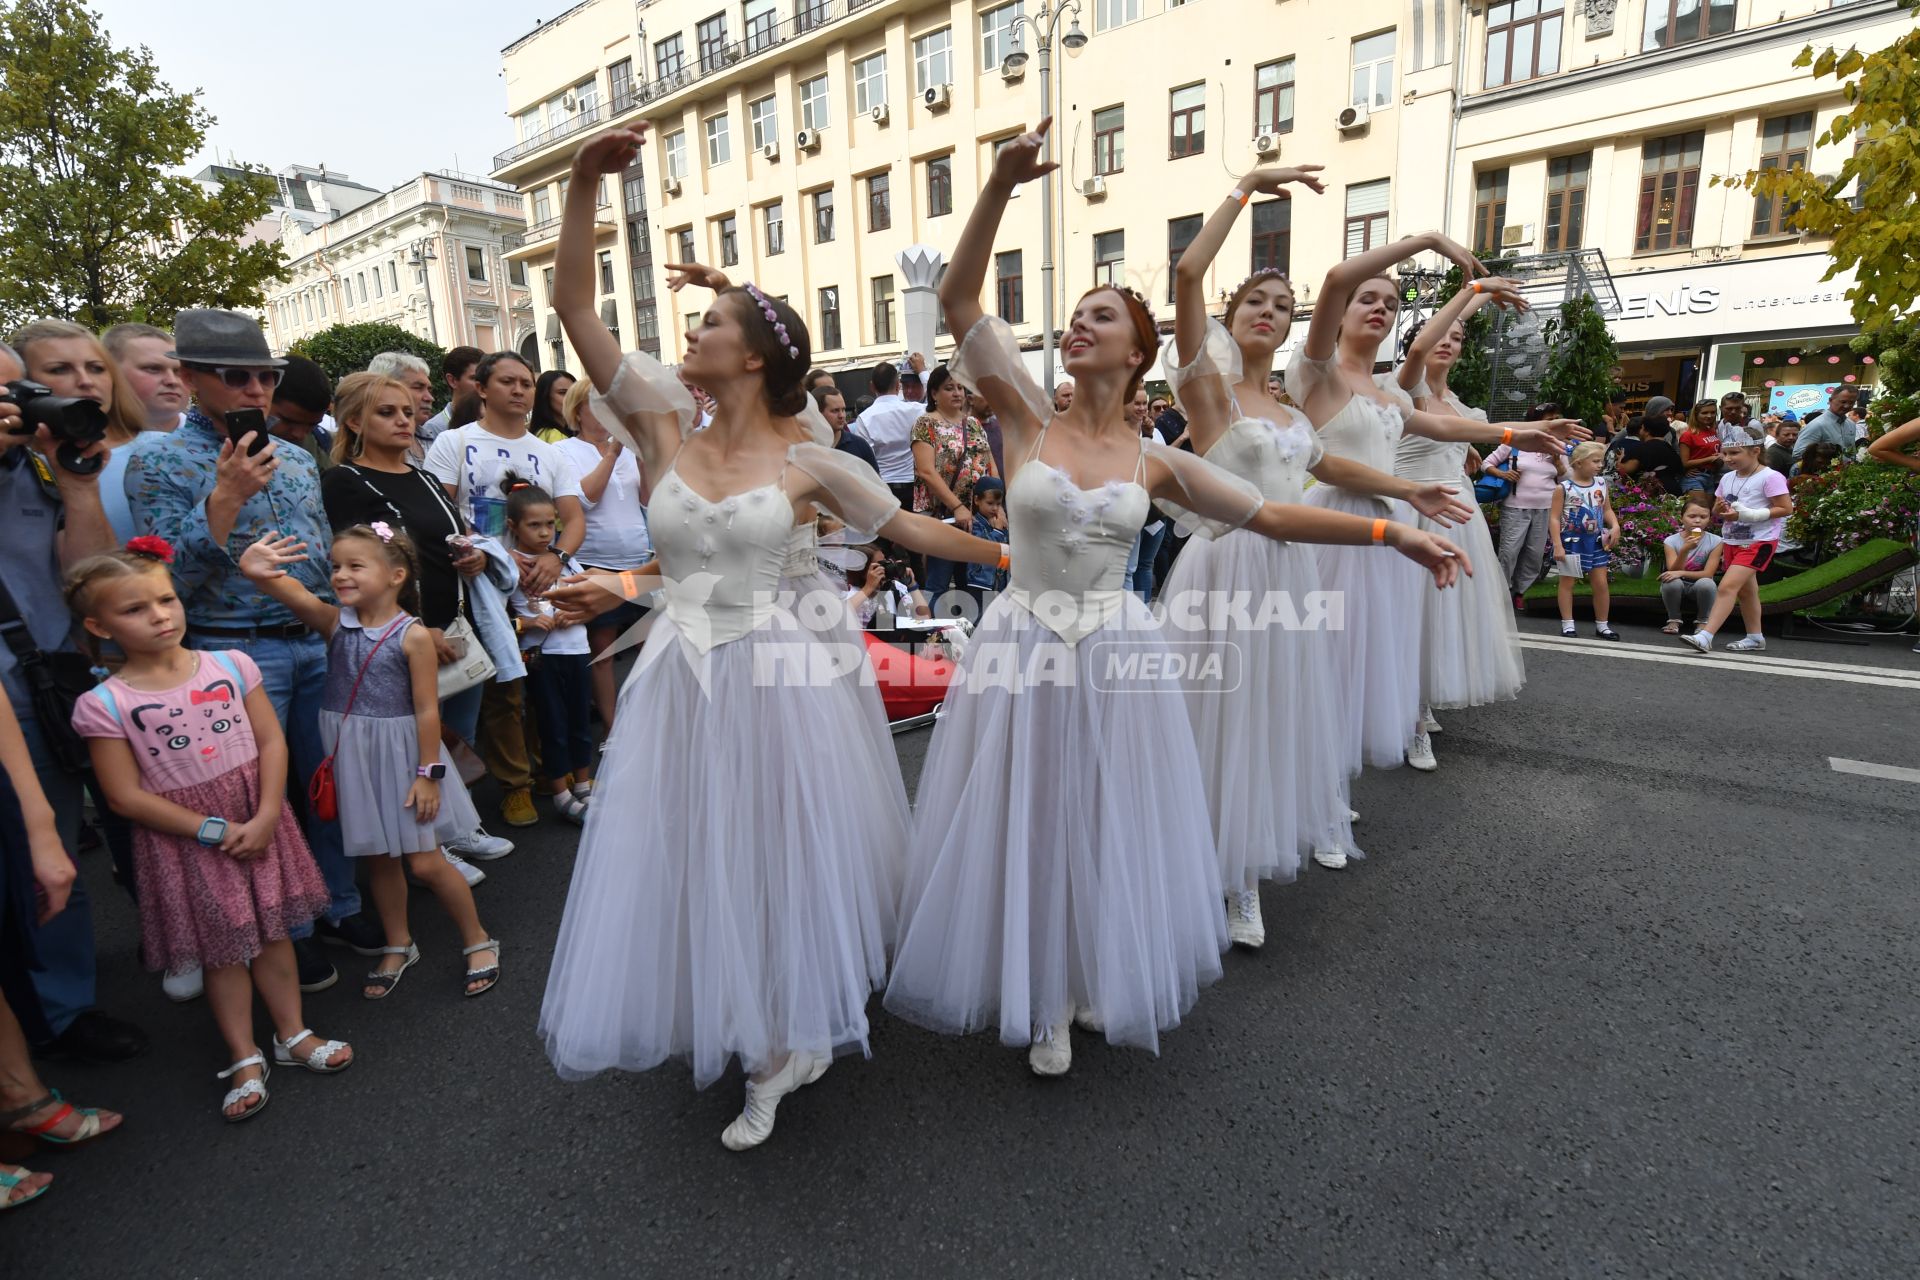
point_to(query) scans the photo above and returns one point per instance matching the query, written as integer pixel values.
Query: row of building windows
(1669, 191)
(385, 279)
(1524, 36)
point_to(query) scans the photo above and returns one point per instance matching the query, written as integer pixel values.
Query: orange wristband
(1478, 288)
(1006, 558)
(1379, 530)
(1506, 436)
(1241, 196)
(629, 588)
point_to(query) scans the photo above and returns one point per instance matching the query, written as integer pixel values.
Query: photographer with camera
(213, 488)
(50, 489)
(882, 590)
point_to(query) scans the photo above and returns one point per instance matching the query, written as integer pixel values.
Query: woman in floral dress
(950, 453)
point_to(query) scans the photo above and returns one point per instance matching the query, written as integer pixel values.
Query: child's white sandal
(319, 1061)
(240, 1093)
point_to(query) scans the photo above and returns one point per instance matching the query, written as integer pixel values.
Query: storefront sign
(1804, 401)
(1725, 299)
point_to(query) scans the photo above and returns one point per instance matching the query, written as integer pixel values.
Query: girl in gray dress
(397, 794)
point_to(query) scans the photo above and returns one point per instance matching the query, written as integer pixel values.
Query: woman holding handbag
(375, 479)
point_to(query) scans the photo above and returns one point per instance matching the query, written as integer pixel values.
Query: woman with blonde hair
(69, 360)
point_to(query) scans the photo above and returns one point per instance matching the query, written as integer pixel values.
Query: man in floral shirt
(212, 499)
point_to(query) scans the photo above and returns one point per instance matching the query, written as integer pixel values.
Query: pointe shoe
(1333, 857)
(754, 1124)
(1051, 1052)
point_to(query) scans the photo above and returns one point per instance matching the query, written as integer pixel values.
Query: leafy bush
(342, 349)
(1897, 351)
(1844, 507)
(1581, 355)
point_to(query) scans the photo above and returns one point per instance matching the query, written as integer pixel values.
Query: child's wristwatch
(435, 771)
(212, 831)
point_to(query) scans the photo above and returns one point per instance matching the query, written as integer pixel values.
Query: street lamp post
(1046, 26)
(419, 254)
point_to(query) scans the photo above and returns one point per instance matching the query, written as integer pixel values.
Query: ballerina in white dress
(1331, 378)
(735, 887)
(1062, 857)
(1469, 649)
(1273, 788)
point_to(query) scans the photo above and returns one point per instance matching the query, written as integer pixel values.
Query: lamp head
(1016, 57)
(1075, 40)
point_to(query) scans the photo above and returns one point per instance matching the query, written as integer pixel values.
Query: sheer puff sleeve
(1398, 396)
(1203, 386)
(1305, 376)
(854, 493)
(645, 402)
(988, 360)
(1205, 500)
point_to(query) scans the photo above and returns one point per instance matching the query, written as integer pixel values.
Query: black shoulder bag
(55, 682)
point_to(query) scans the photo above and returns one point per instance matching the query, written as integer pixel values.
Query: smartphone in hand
(241, 421)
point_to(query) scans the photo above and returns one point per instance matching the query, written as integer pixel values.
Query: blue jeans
(1146, 552)
(461, 712)
(294, 674)
(64, 945)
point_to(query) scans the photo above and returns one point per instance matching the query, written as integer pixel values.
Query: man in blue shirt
(212, 499)
(1832, 427)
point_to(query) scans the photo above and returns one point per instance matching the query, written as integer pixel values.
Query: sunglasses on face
(239, 378)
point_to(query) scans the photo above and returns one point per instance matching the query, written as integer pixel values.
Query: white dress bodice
(1419, 458)
(1272, 456)
(1073, 546)
(721, 561)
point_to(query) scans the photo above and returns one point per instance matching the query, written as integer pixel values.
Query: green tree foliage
(94, 224)
(1875, 232)
(1581, 355)
(342, 349)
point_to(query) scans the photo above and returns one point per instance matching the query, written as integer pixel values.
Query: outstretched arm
(573, 292)
(1550, 436)
(938, 538)
(1018, 162)
(1342, 280)
(1892, 447)
(1434, 500)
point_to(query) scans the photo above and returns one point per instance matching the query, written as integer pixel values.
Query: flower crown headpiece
(1137, 296)
(1264, 273)
(154, 548)
(773, 318)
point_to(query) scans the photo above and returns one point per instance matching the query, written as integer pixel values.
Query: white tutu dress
(735, 887)
(1274, 788)
(1377, 653)
(1063, 854)
(1469, 646)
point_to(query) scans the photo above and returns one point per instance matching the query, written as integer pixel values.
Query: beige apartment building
(430, 256)
(1603, 125)
(804, 143)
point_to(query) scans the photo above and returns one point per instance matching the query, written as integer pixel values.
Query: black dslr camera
(75, 422)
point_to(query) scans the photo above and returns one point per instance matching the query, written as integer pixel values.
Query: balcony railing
(602, 216)
(534, 142)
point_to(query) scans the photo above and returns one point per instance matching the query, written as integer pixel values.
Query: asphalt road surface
(1626, 988)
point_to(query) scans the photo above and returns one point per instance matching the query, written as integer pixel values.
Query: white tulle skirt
(1470, 650)
(735, 887)
(1062, 853)
(1275, 781)
(1377, 652)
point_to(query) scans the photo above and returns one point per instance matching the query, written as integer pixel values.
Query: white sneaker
(754, 1124)
(1353, 816)
(183, 987)
(1052, 1050)
(468, 872)
(478, 846)
(1420, 753)
(1333, 858)
(1428, 724)
(1748, 644)
(1244, 926)
(1088, 1019)
(1699, 642)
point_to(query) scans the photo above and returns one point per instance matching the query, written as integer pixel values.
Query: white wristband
(1753, 515)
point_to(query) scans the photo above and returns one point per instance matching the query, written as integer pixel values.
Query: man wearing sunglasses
(212, 489)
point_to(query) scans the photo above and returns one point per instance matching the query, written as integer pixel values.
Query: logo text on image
(1149, 666)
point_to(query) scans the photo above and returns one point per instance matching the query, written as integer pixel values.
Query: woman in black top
(375, 481)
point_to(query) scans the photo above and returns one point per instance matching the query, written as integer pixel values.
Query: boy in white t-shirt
(1753, 506)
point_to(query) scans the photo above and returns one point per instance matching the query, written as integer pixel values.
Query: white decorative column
(921, 265)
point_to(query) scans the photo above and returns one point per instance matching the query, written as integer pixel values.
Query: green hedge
(1793, 586)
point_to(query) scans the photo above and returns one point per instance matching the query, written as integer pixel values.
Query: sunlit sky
(378, 90)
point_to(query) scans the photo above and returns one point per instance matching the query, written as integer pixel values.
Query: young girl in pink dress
(187, 748)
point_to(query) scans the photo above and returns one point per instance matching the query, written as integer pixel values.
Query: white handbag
(473, 666)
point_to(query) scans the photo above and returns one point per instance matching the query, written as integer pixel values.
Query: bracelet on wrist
(1379, 531)
(1239, 197)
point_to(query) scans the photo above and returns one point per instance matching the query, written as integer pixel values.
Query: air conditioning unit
(1267, 144)
(1351, 119)
(770, 152)
(1515, 236)
(671, 186)
(807, 140)
(879, 114)
(938, 97)
(1011, 72)
(1094, 188)
(568, 101)
(731, 54)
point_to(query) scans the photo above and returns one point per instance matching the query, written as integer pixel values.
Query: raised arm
(1324, 332)
(1891, 448)
(265, 566)
(1473, 295)
(682, 274)
(573, 285)
(1018, 162)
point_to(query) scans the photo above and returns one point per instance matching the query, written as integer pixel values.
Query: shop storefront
(1770, 327)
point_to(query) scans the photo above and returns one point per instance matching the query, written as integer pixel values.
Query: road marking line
(1674, 646)
(1867, 769)
(1796, 668)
